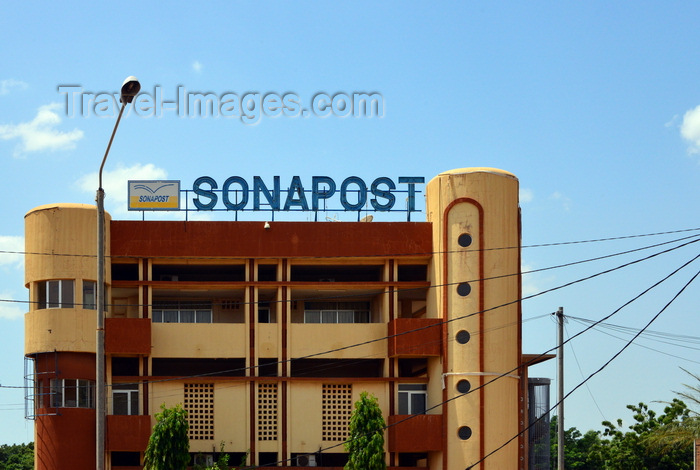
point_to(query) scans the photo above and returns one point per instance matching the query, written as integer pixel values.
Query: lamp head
(130, 88)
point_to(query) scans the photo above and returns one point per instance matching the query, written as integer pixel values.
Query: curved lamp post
(130, 89)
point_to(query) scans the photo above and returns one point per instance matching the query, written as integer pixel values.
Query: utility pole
(560, 386)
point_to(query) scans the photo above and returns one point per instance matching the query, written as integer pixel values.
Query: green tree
(680, 433)
(168, 447)
(17, 456)
(366, 444)
(620, 448)
(631, 449)
(581, 451)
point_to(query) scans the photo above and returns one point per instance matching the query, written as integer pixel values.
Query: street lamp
(130, 88)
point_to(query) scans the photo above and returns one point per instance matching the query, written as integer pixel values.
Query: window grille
(199, 404)
(267, 412)
(336, 410)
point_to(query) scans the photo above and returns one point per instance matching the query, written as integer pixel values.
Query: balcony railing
(415, 337)
(128, 336)
(415, 433)
(127, 433)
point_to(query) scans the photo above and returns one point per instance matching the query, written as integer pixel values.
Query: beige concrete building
(267, 336)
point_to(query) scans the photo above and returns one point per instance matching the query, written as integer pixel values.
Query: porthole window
(463, 337)
(464, 240)
(463, 386)
(465, 432)
(464, 289)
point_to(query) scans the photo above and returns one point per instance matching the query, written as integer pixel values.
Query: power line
(653, 349)
(345, 295)
(546, 291)
(343, 348)
(431, 326)
(383, 255)
(571, 346)
(505, 374)
(439, 323)
(193, 376)
(597, 371)
(364, 343)
(651, 335)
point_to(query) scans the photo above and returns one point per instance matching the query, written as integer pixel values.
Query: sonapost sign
(238, 194)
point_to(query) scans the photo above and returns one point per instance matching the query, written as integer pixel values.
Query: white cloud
(534, 282)
(9, 84)
(562, 199)
(529, 287)
(197, 66)
(9, 309)
(115, 183)
(11, 249)
(40, 134)
(673, 122)
(526, 195)
(690, 129)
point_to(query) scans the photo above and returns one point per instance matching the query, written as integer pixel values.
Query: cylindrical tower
(476, 237)
(60, 273)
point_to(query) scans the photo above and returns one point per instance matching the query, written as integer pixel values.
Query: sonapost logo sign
(154, 195)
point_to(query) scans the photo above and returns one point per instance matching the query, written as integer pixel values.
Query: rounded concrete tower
(60, 273)
(476, 238)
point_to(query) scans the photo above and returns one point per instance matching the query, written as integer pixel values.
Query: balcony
(128, 433)
(128, 336)
(308, 339)
(415, 433)
(199, 340)
(60, 329)
(415, 337)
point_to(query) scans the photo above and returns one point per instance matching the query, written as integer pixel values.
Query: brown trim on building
(253, 370)
(144, 289)
(153, 239)
(523, 389)
(392, 362)
(329, 380)
(144, 374)
(53, 453)
(253, 419)
(482, 419)
(285, 364)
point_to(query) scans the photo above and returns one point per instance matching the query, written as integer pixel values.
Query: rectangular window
(312, 316)
(264, 312)
(336, 312)
(89, 295)
(187, 316)
(56, 294)
(203, 316)
(56, 393)
(413, 399)
(182, 312)
(72, 393)
(125, 399)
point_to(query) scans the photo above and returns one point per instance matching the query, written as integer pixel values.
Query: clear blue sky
(591, 104)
